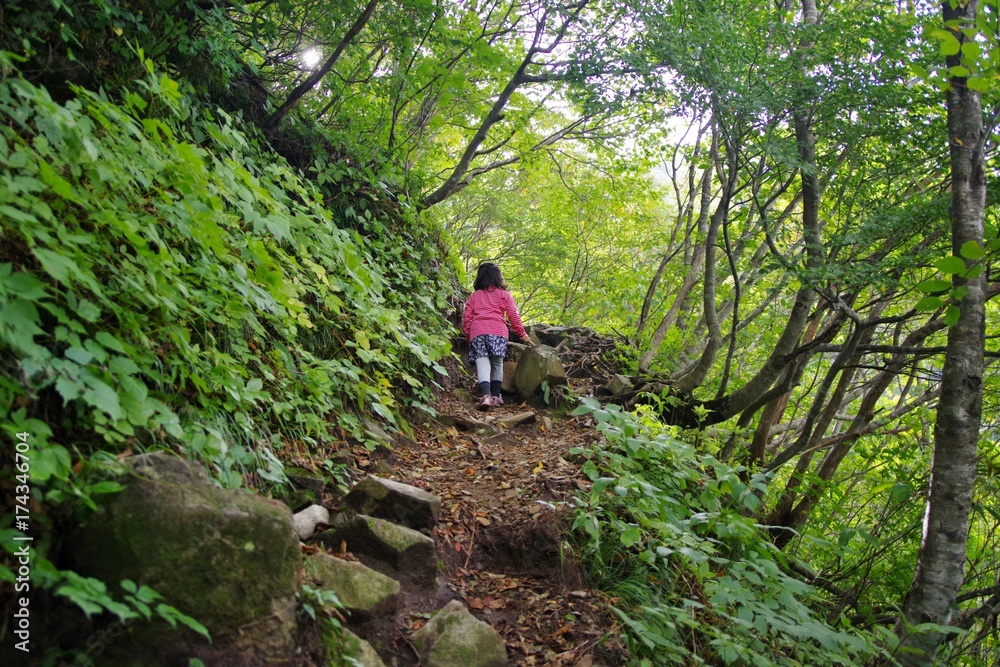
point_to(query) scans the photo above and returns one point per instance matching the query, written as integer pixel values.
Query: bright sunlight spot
(311, 57)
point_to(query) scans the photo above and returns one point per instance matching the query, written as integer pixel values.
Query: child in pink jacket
(485, 325)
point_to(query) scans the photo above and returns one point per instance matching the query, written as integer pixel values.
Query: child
(485, 325)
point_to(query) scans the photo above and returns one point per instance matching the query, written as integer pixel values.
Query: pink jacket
(487, 312)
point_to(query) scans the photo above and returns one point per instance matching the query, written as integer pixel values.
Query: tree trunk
(300, 91)
(940, 564)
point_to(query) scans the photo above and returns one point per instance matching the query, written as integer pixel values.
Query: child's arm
(515, 319)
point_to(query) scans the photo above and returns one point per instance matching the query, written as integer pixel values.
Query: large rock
(537, 365)
(227, 558)
(509, 369)
(349, 645)
(397, 502)
(363, 592)
(455, 638)
(619, 384)
(410, 554)
(305, 522)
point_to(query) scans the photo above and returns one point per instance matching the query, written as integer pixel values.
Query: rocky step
(452, 637)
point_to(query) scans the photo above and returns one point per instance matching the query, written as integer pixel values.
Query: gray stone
(306, 520)
(346, 649)
(528, 417)
(227, 558)
(619, 384)
(377, 433)
(509, 368)
(411, 554)
(455, 638)
(363, 592)
(359, 650)
(397, 502)
(303, 478)
(537, 365)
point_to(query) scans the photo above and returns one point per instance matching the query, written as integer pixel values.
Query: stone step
(363, 591)
(411, 555)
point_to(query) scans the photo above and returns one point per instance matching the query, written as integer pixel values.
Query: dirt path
(506, 506)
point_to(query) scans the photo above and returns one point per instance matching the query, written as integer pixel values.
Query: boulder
(227, 558)
(509, 368)
(363, 592)
(305, 521)
(397, 502)
(537, 365)
(357, 649)
(307, 488)
(303, 478)
(410, 554)
(455, 638)
(619, 384)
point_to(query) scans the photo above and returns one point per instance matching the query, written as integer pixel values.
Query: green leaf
(109, 341)
(934, 285)
(929, 303)
(631, 536)
(972, 250)
(51, 461)
(951, 265)
(107, 486)
(971, 51)
(58, 184)
(900, 492)
(950, 45)
(56, 265)
(101, 396)
(951, 315)
(79, 355)
(24, 285)
(979, 83)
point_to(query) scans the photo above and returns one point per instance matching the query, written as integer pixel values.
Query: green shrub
(665, 531)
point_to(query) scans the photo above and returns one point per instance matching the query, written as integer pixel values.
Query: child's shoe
(497, 401)
(485, 402)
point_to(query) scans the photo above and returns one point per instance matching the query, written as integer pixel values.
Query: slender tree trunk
(693, 378)
(940, 564)
(690, 280)
(300, 91)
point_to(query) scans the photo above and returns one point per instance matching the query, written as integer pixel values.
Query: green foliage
(313, 600)
(168, 285)
(93, 598)
(666, 531)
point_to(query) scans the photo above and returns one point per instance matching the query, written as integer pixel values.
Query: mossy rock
(341, 643)
(455, 638)
(397, 502)
(409, 553)
(363, 592)
(227, 558)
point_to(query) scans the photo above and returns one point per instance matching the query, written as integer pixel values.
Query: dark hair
(489, 276)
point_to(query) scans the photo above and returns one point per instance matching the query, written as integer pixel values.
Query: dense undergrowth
(166, 282)
(668, 532)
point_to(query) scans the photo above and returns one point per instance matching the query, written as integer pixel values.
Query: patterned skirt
(487, 345)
